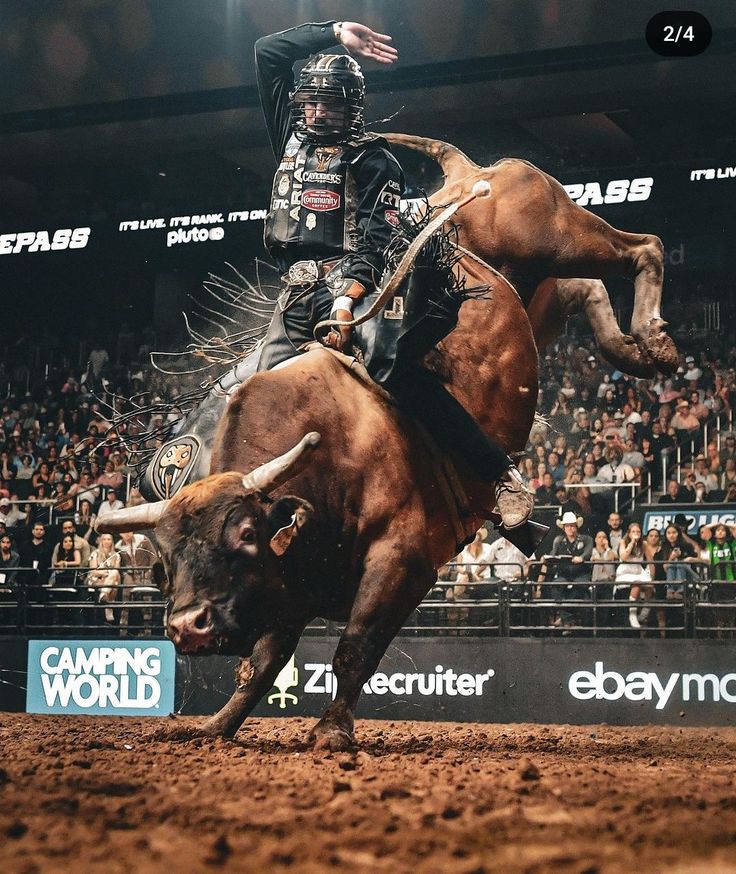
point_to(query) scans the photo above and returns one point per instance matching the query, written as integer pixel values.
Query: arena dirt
(100, 794)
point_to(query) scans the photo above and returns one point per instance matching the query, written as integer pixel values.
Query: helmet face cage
(327, 101)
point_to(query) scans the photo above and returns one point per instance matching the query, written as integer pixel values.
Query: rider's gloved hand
(339, 338)
(342, 311)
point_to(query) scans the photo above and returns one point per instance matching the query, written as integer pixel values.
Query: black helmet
(336, 81)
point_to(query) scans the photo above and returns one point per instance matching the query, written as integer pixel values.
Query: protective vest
(313, 201)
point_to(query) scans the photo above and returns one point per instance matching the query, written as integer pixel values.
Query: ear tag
(283, 537)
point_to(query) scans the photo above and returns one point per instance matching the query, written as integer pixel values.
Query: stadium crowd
(603, 437)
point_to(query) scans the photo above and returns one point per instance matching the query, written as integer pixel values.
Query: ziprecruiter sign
(114, 678)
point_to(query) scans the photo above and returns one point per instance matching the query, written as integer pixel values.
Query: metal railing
(505, 601)
(74, 604)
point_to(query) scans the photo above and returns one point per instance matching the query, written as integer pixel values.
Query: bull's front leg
(387, 595)
(254, 677)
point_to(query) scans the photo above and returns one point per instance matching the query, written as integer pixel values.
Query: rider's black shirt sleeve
(380, 184)
(275, 58)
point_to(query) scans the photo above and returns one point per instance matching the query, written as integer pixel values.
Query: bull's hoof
(183, 733)
(328, 737)
(628, 357)
(660, 349)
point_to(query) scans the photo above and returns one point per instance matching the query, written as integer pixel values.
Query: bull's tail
(453, 162)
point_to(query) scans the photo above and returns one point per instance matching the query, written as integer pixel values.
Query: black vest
(313, 202)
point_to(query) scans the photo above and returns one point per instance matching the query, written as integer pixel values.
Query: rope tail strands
(481, 188)
(241, 312)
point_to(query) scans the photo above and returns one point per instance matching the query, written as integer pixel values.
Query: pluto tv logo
(98, 677)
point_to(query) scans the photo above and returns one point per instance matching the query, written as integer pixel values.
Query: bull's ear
(286, 518)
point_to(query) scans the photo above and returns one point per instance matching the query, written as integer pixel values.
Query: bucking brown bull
(350, 526)
(541, 241)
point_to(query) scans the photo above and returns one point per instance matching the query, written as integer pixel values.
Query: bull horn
(270, 475)
(131, 518)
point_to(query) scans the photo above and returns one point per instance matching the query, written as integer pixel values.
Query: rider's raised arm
(380, 181)
(275, 58)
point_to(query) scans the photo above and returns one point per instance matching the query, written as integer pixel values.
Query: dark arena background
(533, 715)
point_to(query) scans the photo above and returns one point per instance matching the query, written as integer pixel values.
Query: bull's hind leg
(590, 296)
(590, 247)
(391, 588)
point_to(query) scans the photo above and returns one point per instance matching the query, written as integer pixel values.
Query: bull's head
(223, 542)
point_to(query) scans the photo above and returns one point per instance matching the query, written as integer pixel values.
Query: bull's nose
(191, 630)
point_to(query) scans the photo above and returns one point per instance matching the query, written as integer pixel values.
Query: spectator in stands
(105, 573)
(110, 505)
(560, 416)
(9, 560)
(713, 460)
(526, 469)
(85, 488)
(110, 478)
(686, 425)
(614, 472)
(545, 495)
(697, 407)
(85, 519)
(568, 501)
(701, 494)
(614, 530)
(590, 475)
(658, 574)
(10, 514)
(603, 572)
(506, 560)
(721, 546)
(673, 494)
(692, 371)
(632, 455)
(703, 475)
(682, 523)
(581, 427)
(566, 565)
(37, 553)
(98, 361)
(663, 443)
(669, 393)
(634, 556)
(604, 557)
(66, 561)
(137, 552)
(728, 449)
(677, 549)
(473, 563)
(69, 528)
(652, 466)
(555, 467)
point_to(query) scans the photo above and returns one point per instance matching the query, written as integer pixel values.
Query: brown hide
(489, 362)
(380, 525)
(541, 241)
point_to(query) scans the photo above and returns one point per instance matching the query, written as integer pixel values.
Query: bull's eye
(248, 536)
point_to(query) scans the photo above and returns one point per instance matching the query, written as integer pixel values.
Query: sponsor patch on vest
(392, 217)
(320, 199)
(283, 186)
(328, 178)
